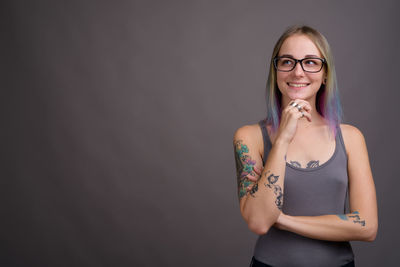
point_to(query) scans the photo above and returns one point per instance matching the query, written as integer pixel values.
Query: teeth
(297, 84)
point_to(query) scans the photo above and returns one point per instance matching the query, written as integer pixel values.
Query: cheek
(317, 79)
(320, 78)
(281, 77)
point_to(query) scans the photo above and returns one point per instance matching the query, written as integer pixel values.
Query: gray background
(118, 118)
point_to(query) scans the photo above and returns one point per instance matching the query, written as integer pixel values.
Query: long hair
(327, 100)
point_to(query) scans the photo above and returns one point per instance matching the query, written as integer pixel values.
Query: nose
(298, 71)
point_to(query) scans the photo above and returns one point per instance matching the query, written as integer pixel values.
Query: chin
(298, 95)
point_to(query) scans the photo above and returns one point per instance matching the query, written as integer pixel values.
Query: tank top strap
(339, 137)
(266, 140)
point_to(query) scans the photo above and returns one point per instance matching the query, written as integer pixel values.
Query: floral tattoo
(245, 168)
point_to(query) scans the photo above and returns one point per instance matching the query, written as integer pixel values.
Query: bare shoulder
(251, 134)
(350, 132)
(353, 138)
(248, 132)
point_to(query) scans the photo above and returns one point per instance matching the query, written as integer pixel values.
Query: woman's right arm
(260, 192)
(260, 188)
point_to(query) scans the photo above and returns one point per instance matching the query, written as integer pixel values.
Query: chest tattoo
(310, 165)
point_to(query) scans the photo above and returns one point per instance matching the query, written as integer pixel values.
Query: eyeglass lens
(308, 64)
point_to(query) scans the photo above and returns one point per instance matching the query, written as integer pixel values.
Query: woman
(299, 167)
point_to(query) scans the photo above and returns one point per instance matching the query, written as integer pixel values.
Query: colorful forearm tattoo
(354, 216)
(244, 167)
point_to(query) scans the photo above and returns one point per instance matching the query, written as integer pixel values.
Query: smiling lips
(298, 85)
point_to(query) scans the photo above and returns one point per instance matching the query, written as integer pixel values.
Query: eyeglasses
(308, 64)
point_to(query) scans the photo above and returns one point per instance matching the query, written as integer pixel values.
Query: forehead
(299, 46)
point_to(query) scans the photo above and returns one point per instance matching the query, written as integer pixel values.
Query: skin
(298, 47)
(261, 204)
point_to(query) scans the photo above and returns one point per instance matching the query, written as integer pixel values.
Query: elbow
(259, 227)
(372, 234)
(259, 223)
(369, 234)
(371, 238)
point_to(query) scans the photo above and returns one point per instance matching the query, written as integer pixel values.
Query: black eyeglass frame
(301, 63)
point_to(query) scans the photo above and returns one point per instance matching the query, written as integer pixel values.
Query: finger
(299, 104)
(252, 178)
(257, 170)
(303, 104)
(290, 106)
(306, 107)
(293, 111)
(307, 113)
(297, 108)
(250, 187)
(304, 114)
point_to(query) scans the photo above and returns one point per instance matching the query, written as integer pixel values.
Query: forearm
(343, 227)
(263, 204)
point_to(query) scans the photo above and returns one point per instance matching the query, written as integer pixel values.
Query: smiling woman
(301, 80)
(296, 168)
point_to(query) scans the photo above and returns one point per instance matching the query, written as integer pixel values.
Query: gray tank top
(308, 192)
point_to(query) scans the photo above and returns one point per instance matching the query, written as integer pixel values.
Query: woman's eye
(287, 62)
(310, 62)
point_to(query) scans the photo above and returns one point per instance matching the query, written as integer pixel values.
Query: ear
(324, 80)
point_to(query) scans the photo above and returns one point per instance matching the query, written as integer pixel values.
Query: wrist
(281, 143)
(283, 221)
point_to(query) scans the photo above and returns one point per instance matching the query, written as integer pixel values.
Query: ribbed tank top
(308, 192)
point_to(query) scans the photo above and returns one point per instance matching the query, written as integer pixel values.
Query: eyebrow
(291, 56)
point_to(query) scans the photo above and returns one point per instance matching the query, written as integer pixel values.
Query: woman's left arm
(362, 223)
